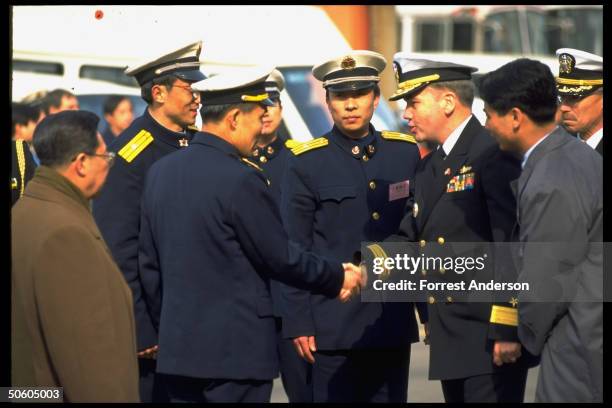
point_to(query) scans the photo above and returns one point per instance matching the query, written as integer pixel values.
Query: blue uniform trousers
(188, 389)
(361, 376)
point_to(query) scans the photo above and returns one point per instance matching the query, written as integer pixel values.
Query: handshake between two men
(354, 280)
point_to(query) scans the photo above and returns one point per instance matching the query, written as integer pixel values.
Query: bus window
(502, 33)
(429, 36)
(38, 67)
(110, 74)
(536, 24)
(580, 28)
(463, 36)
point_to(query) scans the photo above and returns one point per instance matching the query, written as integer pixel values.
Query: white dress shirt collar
(451, 140)
(594, 140)
(528, 152)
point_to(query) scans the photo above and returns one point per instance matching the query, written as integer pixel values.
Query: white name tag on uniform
(399, 190)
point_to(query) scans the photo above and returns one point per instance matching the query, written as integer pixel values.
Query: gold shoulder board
(310, 145)
(292, 143)
(250, 163)
(136, 145)
(388, 135)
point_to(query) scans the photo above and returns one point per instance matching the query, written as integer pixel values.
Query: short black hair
(111, 103)
(165, 80)
(523, 83)
(60, 137)
(22, 114)
(54, 99)
(214, 113)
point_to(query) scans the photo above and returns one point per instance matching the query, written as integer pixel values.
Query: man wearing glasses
(580, 87)
(73, 323)
(163, 128)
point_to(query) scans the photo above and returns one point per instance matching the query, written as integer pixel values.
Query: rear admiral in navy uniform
(163, 128)
(348, 186)
(580, 87)
(462, 194)
(211, 239)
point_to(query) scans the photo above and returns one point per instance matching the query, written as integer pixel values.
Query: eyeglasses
(195, 94)
(108, 156)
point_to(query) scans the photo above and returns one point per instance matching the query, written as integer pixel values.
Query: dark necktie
(437, 161)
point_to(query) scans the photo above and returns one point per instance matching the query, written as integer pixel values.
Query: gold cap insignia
(566, 63)
(348, 63)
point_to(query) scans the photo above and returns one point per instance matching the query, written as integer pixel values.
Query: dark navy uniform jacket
(465, 197)
(273, 159)
(205, 267)
(335, 196)
(117, 208)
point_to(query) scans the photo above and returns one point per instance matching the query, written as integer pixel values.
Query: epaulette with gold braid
(388, 135)
(135, 146)
(250, 163)
(292, 143)
(310, 145)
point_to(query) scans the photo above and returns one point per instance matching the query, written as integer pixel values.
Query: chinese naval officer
(271, 155)
(345, 187)
(164, 127)
(462, 195)
(206, 269)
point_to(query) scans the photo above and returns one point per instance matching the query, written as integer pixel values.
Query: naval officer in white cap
(349, 186)
(163, 128)
(580, 87)
(204, 211)
(462, 194)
